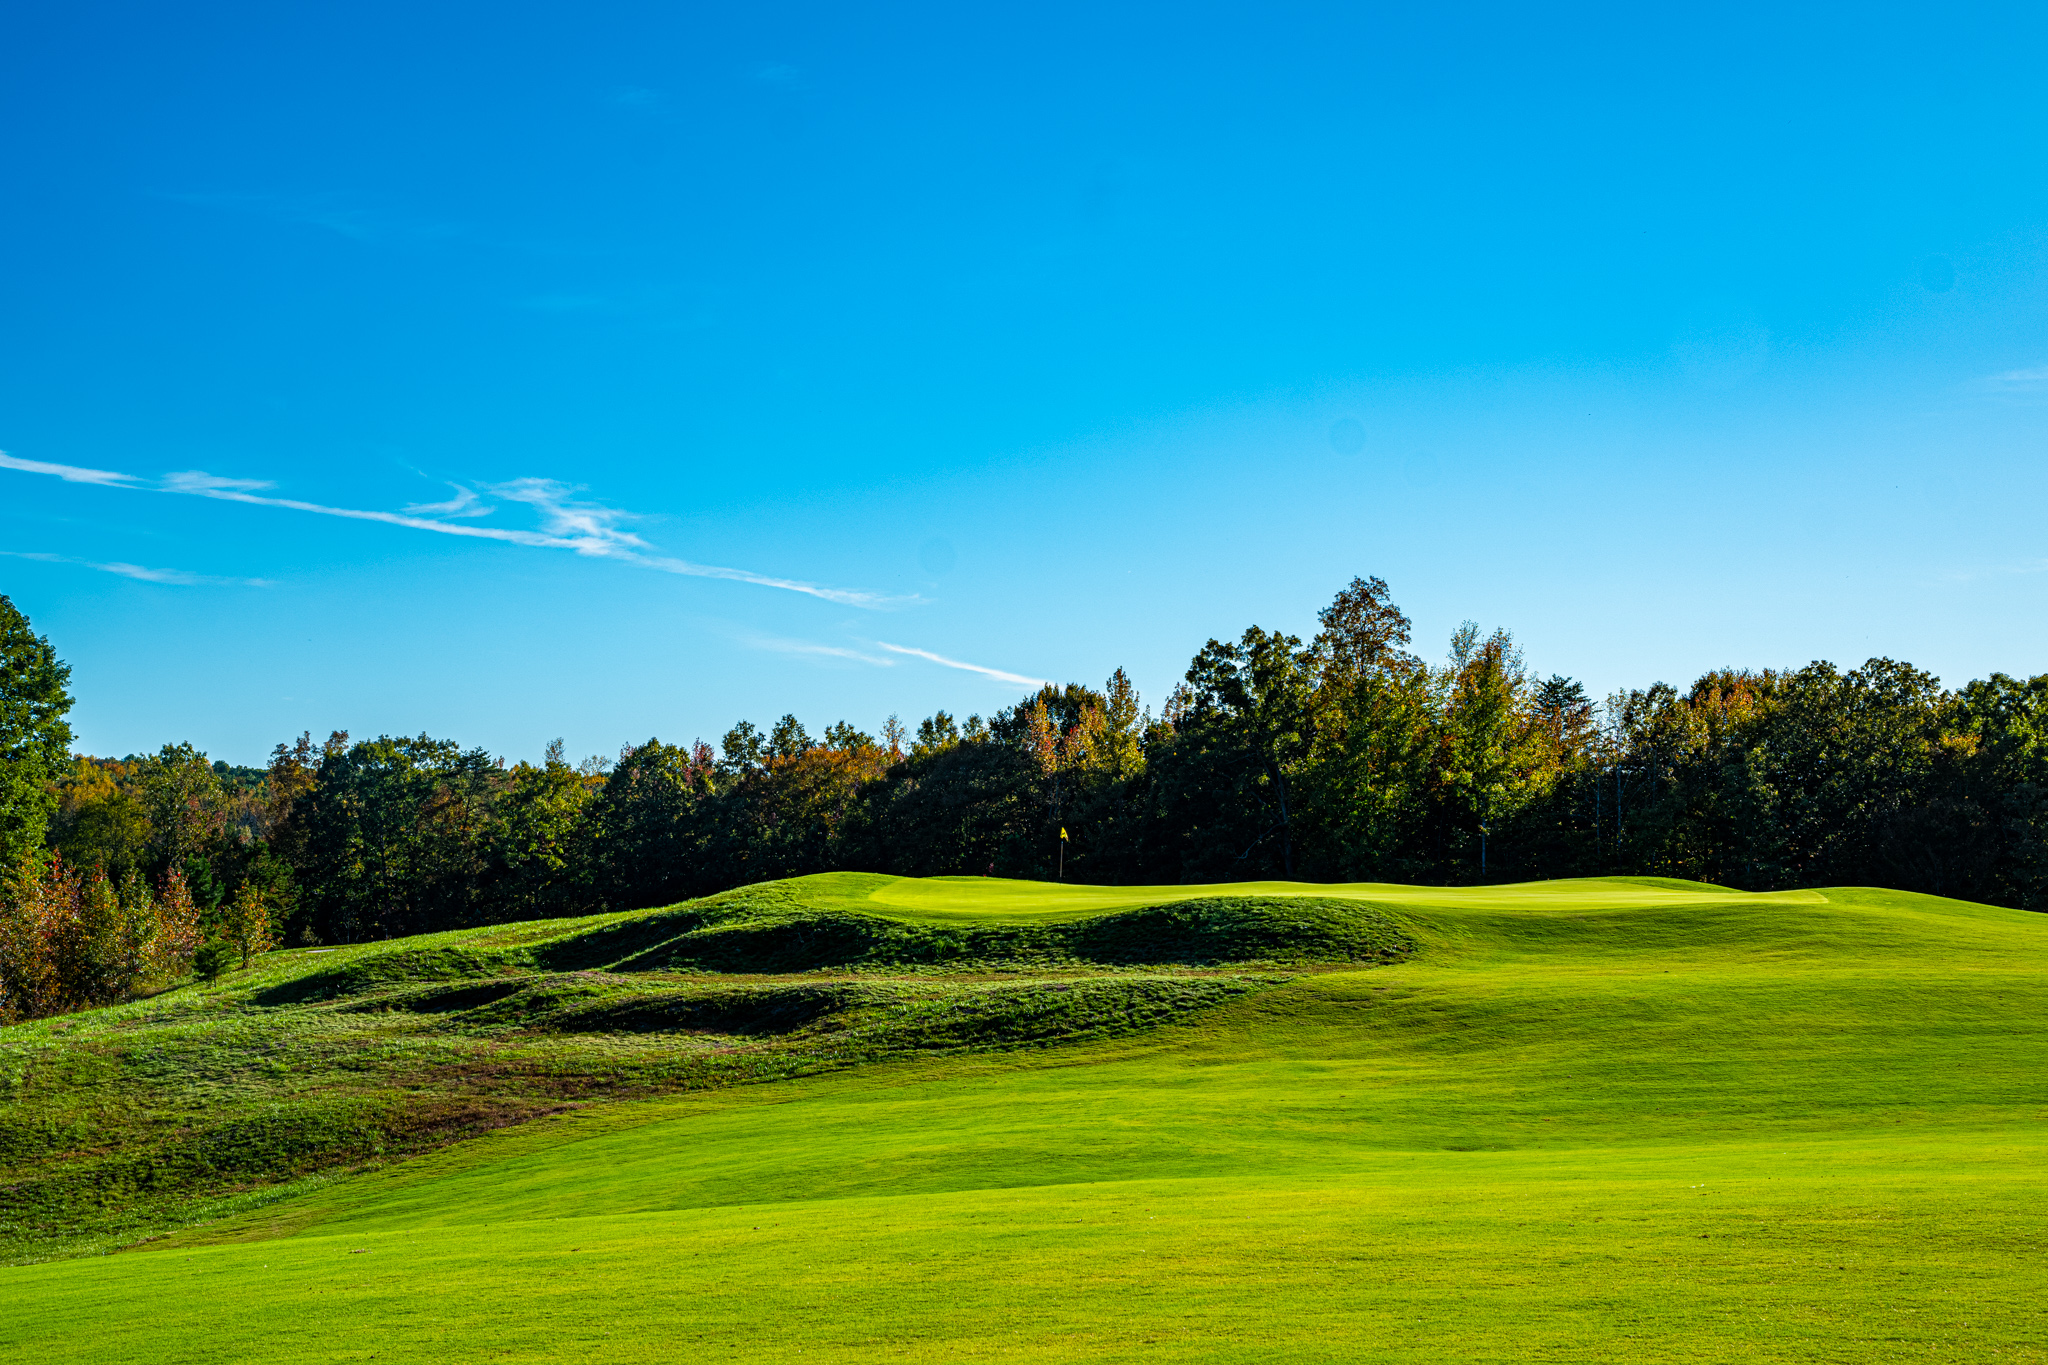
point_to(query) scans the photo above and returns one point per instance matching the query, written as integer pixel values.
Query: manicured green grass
(1627, 1121)
(949, 900)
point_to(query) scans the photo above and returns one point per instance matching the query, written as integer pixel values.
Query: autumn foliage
(72, 939)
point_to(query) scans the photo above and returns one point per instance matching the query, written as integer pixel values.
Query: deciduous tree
(35, 739)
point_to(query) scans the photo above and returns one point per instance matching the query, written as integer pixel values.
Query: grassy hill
(1627, 1119)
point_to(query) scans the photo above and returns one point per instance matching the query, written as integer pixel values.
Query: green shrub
(213, 958)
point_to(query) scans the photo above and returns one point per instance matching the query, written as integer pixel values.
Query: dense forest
(1341, 758)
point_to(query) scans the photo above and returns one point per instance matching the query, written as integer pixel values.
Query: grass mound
(373, 971)
(776, 930)
(116, 1126)
(318, 1060)
(772, 935)
(873, 1018)
(1223, 929)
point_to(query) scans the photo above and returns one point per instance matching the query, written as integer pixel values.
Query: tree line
(1343, 757)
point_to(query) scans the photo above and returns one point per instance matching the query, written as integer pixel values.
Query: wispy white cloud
(807, 647)
(593, 529)
(588, 524)
(586, 528)
(222, 493)
(465, 503)
(1018, 678)
(780, 646)
(2015, 381)
(199, 481)
(141, 573)
(846, 597)
(70, 473)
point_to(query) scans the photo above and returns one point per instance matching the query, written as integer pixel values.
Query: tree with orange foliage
(247, 924)
(177, 936)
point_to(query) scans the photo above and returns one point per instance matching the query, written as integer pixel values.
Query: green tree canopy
(35, 740)
(1258, 695)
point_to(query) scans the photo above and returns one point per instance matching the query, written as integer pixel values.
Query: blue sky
(694, 365)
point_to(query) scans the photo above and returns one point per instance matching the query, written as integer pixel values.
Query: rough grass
(760, 931)
(1632, 1122)
(121, 1123)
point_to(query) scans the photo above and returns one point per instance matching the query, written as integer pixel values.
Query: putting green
(1607, 1120)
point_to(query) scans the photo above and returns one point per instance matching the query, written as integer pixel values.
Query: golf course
(853, 1117)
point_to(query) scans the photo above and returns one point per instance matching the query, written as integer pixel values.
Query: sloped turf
(126, 1123)
(1626, 1121)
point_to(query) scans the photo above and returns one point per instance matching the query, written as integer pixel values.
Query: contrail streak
(996, 673)
(141, 573)
(583, 528)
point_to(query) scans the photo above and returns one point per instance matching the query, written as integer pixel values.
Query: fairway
(1620, 1120)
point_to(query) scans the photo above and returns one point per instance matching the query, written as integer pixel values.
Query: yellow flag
(1063, 832)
